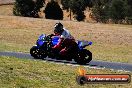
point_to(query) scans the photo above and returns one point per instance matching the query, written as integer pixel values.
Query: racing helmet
(58, 28)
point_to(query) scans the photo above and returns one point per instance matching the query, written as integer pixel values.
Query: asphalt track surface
(93, 63)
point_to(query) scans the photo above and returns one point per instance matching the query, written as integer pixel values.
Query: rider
(66, 40)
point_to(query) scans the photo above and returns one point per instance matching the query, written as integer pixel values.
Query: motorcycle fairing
(41, 40)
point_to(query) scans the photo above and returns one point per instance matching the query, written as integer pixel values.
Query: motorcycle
(44, 44)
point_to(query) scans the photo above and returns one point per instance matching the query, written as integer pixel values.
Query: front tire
(83, 57)
(37, 53)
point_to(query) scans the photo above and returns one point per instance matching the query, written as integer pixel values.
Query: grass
(23, 73)
(110, 42)
(19, 34)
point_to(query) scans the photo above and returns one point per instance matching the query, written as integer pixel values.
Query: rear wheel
(37, 53)
(83, 57)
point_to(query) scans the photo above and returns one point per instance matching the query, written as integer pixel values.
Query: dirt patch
(6, 10)
(6, 2)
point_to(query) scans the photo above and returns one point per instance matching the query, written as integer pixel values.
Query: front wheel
(37, 53)
(83, 57)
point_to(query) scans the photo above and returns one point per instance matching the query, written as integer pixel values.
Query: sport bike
(44, 44)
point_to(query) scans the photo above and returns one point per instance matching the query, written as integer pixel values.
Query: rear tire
(37, 53)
